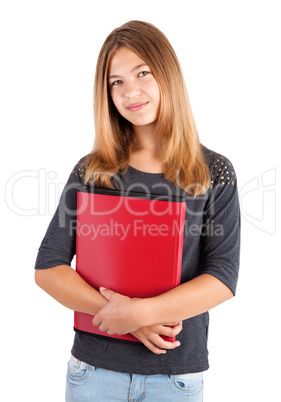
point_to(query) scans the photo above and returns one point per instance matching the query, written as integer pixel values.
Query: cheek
(116, 100)
(157, 95)
(113, 97)
(153, 89)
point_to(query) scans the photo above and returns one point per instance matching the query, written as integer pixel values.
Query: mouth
(134, 107)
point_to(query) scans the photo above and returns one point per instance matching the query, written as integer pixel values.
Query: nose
(131, 90)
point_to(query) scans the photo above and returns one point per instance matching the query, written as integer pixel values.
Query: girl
(146, 140)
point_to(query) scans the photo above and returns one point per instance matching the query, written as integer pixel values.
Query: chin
(142, 122)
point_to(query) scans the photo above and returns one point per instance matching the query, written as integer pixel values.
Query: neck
(146, 140)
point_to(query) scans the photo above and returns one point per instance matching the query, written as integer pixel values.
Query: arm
(187, 300)
(66, 286)
(122, 314)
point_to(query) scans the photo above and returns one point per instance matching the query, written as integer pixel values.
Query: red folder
(130, 243)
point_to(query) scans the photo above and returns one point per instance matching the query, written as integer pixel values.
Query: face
(134, 90)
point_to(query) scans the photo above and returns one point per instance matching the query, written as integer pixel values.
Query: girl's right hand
(151, 336)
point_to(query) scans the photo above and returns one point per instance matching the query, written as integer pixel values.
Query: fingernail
(178, 343)
(101, 288)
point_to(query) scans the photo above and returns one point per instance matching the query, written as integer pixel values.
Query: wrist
(144, 312)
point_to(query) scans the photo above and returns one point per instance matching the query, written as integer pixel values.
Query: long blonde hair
(175, 129)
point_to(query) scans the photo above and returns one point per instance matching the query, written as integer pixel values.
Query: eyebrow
(133, 69)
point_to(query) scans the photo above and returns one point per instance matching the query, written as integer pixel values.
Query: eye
(143, 73)
(117, 82)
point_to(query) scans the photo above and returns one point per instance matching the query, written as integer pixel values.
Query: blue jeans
(87, 383)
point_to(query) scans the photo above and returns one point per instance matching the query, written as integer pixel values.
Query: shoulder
(221, 168)
(80, 168)
(213, 157)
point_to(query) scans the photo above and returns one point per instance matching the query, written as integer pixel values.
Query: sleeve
(221, 229)
(58, 246)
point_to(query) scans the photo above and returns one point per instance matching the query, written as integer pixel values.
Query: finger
(107, 293)
(96, 320)
(170, 331)
(162, 344)
(173, 324)
(103, 328)
(151, 346)
(110, 332)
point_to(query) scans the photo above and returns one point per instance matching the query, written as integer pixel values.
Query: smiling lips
(134, 107)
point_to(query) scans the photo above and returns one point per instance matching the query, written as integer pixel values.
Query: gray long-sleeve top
(211, 245)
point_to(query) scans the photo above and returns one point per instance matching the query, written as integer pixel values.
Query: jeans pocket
(78, 372)
(190, 384)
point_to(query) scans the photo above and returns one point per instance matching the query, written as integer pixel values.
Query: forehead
(124, 59)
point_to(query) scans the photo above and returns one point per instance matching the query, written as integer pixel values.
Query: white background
(230, 55)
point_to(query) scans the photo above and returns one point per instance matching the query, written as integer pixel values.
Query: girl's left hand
(151, 337)
(119, 316)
